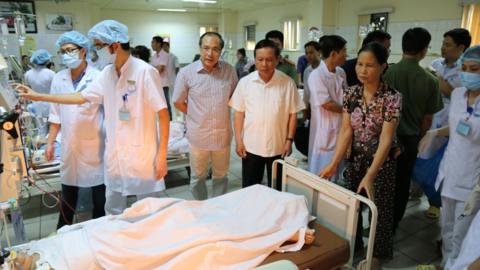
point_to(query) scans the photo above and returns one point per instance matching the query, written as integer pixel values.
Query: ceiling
(229, 5)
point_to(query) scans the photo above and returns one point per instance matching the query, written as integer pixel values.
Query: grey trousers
(199, 164)
(116, 202)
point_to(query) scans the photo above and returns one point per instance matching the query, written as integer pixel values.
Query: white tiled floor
(415, 241)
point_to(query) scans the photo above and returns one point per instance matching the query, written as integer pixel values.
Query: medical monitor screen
(15, 66)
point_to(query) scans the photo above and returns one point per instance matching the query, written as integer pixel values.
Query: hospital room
(239, 134)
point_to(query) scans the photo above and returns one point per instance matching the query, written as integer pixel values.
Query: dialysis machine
(12, 163)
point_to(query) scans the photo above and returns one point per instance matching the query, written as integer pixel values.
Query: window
(379, 21)
(208, 28)
(249, 31)
(471, 21)
(291, 34)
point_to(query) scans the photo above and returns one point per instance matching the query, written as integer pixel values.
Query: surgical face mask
(72, 60)
(470, 80)
(105, 56)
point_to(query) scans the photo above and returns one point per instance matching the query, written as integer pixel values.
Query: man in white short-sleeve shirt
(130, 92)
(160, 61)
(173, 65)
(447, 69)
(266, 103)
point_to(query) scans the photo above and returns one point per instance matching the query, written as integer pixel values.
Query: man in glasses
(202, 91)
(130, 91)
(82, 143)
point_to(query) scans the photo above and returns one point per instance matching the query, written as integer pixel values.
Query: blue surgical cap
(471, 54)
(109, 31)
(73, 37)
(40, 57)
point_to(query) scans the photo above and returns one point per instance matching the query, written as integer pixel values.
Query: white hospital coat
(460, 166)
(40, 79)
(172, 67)
(130, 146)
(324, 125)
(469, 251)
(452, 76)
(82, 138)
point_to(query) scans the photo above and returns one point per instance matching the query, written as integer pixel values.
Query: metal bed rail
(335, 207)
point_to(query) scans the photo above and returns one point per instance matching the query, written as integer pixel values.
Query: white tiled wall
(328, 30)
(436, 28)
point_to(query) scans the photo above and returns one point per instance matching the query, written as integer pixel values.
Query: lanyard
(125, 99)
(470, 109)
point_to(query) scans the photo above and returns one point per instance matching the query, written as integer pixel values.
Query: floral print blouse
(367, 119)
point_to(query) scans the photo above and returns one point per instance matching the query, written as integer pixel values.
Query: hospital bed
(46, 174)
(336, 210)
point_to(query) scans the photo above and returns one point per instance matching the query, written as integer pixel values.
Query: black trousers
(405, 163)
(253, 168)
(167, 99)
(69, 202)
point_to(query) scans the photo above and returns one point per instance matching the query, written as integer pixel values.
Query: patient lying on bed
(235, 231)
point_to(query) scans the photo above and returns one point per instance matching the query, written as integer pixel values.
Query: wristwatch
(290, 139)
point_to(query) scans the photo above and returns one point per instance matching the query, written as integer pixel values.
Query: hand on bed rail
(50, 151)
(367, 185)
(329, 171)
(287, 149)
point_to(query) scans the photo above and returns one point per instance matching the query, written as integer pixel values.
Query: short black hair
(215, 34)
(242, 52)
(313, 44)
(376, 35)
(142, 52)
(330, 43)
(125, 46)
(266, 43)
(158, 39)
(378, 50)
(415, 40)
(275, 34)
(166, 42)
(460, 36)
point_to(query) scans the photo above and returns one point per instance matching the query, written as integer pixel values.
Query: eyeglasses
(68, 50)
(100, 46)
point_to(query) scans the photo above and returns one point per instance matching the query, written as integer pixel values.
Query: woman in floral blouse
(371, 111)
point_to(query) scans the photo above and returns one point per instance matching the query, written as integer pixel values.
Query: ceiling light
(171, 10)
(201, 1)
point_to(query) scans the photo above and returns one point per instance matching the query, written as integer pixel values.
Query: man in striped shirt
(202, 90)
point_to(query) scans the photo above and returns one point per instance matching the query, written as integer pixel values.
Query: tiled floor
(415, 241)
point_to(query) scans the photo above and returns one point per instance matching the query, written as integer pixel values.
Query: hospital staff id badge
(464, 127)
